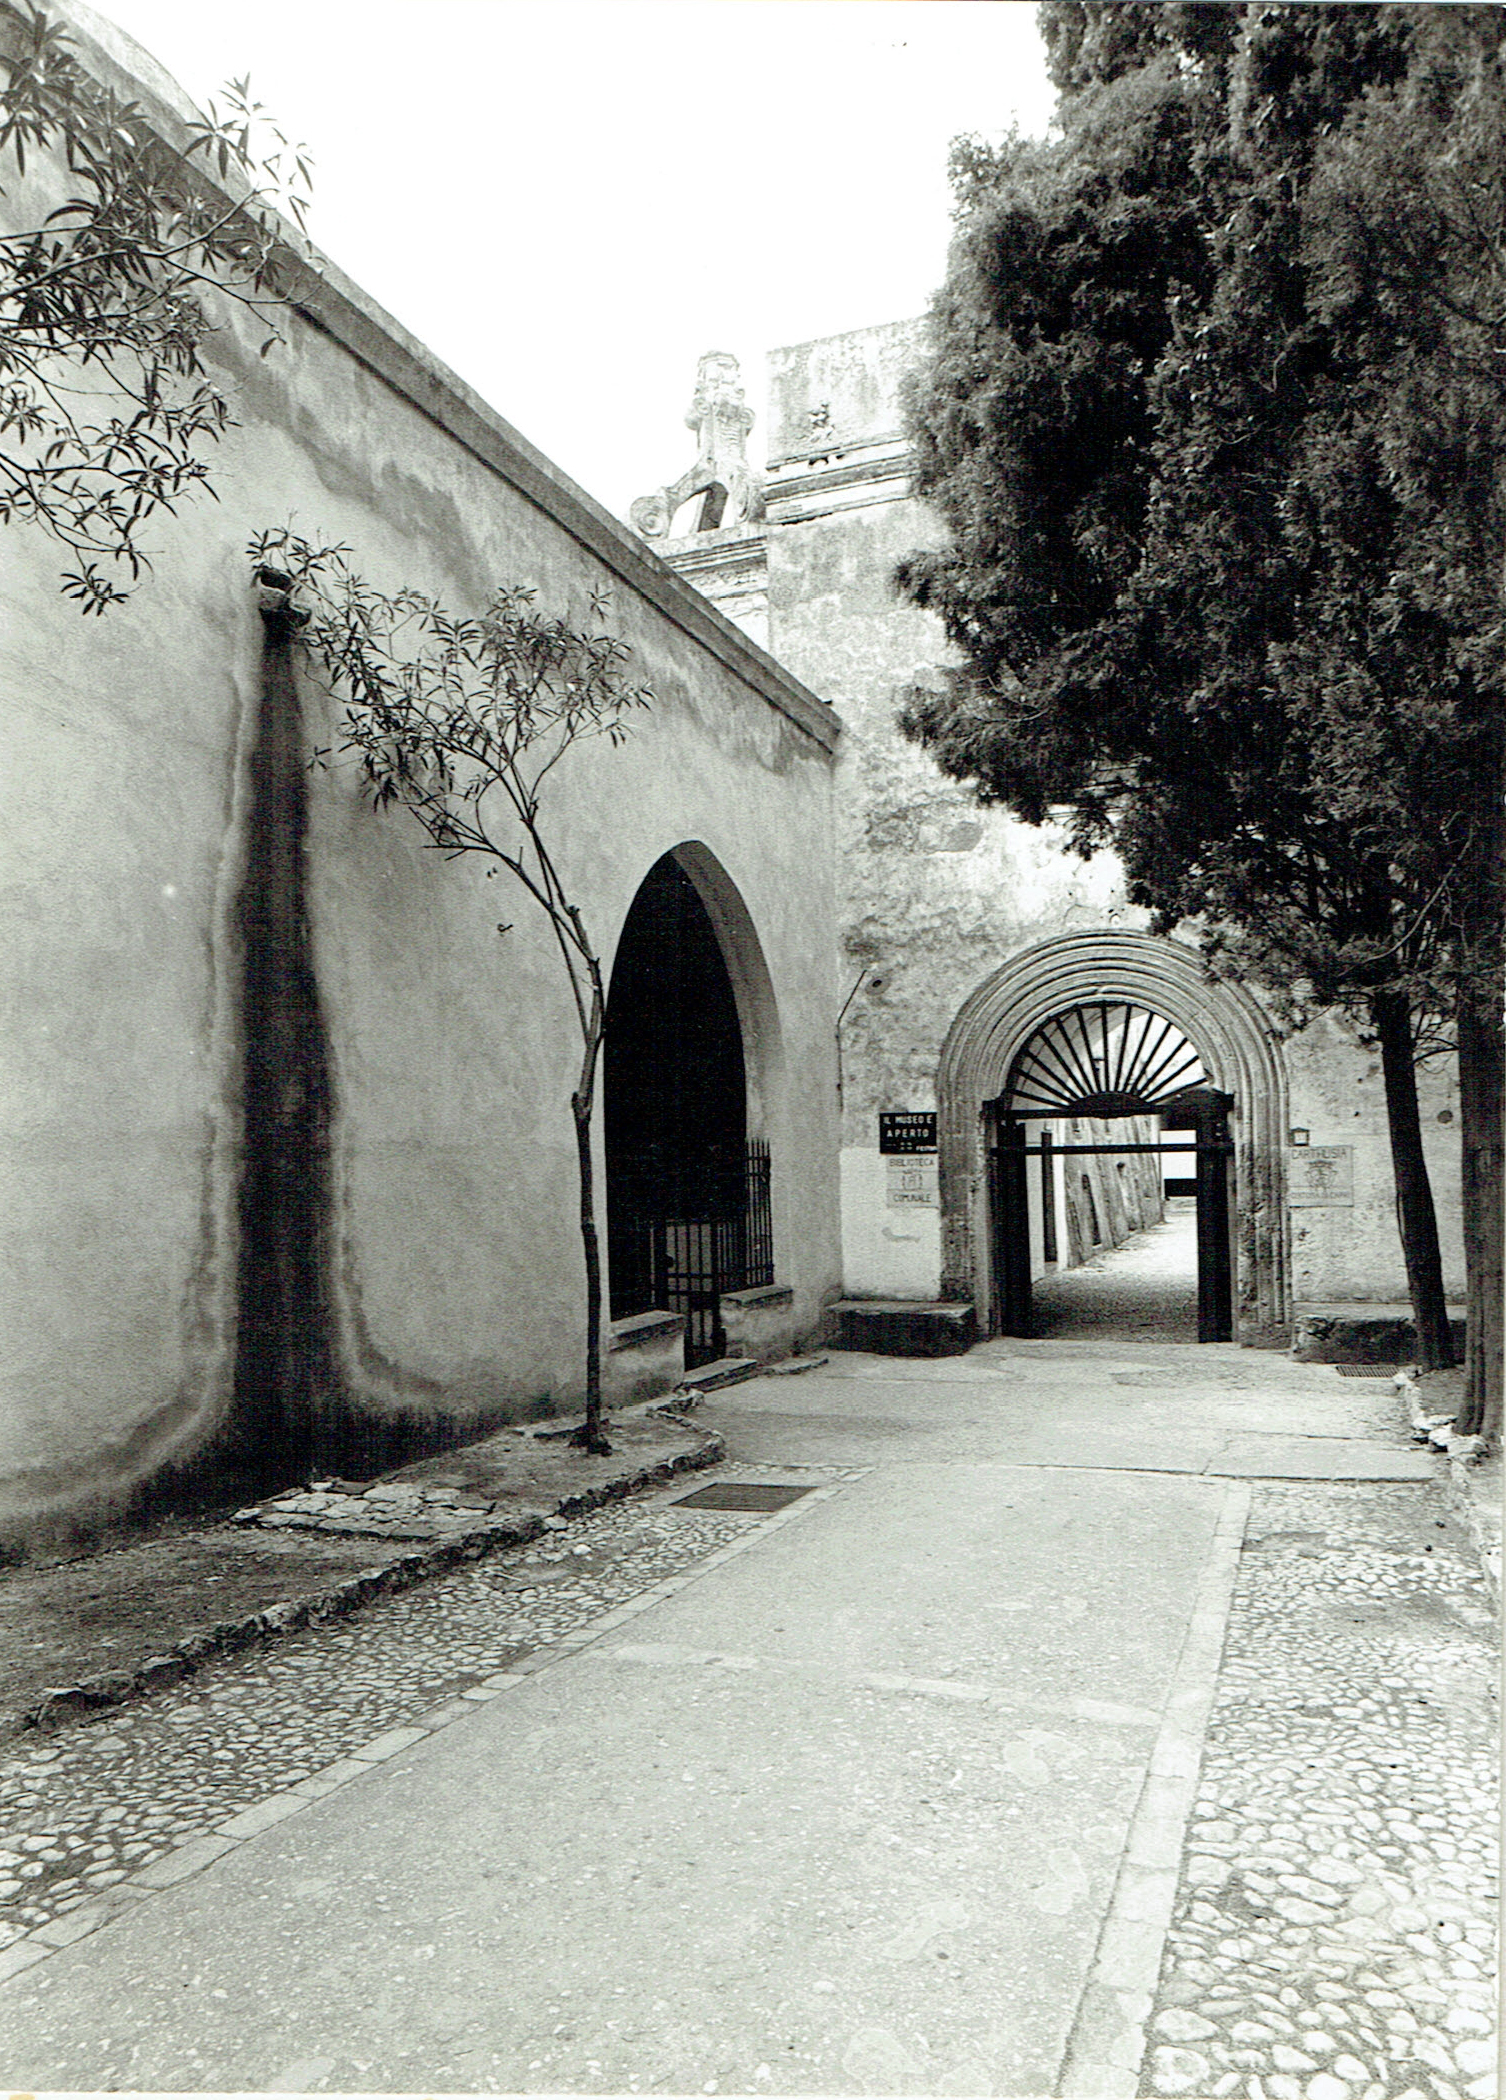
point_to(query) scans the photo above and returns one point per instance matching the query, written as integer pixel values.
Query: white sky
(569, 201)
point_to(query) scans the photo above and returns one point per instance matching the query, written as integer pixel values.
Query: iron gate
(1009, 1158)
(690, 1263)
(1108, 1058)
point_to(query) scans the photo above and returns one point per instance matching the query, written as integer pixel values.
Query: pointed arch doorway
(688, 1184)
(1100, 1062)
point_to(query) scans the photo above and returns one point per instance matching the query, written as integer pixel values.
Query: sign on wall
(1319, 1175)
(907, 1130)
(912, 1183)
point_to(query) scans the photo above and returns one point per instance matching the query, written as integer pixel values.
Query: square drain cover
(742, 1494)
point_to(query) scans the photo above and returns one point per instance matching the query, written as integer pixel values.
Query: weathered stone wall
(937, 893)
(449, 1248)
(1345, 1249)
(934, 891)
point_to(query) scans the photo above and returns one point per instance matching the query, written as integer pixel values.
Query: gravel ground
(1334, 1928)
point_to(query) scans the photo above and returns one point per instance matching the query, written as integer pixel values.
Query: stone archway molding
(1238, 1047)
(752, 987)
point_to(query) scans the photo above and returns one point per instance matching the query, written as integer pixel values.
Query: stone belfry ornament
(721, 476)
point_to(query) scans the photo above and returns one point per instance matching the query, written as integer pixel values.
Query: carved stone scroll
(721, 475)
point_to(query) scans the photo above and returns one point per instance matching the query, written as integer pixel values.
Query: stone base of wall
(645, 1356)
(901, 1326)
(1361, 1334)
(759, 1322)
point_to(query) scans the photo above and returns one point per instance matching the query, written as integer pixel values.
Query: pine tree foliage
(1214, 418)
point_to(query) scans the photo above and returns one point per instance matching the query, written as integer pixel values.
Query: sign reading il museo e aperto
(907, 1130)
(907, 1141)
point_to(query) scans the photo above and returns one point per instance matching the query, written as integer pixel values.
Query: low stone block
(759, 1322)
(177, 1865)
(73, 1925)
(727, 1370)
(251, 1821)
(901, 1326)
(19, 1955)
(159, 1671)
(644, 1357)
(1361, 1334)
(442, 1716)
(382, 1747)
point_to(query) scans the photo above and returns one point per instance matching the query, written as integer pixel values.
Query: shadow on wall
(293, 1413)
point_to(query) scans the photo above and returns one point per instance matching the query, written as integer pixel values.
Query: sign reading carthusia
(1320, 1175)
(907, 1130)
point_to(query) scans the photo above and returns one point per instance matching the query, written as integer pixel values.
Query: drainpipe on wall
(874, 979)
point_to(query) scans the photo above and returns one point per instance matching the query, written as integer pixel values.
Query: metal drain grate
(761, 1495)
(1367, 1370)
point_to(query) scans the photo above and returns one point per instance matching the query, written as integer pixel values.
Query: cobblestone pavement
(1333, 1931)
(1331, 1937)
(83, 1811)
(1145, 1290)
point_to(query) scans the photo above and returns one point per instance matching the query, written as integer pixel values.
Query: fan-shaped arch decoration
(1103, 1058)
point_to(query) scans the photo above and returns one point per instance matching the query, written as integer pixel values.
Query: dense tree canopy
(1214, 419)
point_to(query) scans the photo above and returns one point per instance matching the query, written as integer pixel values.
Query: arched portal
(1143, 1090)
(1238, 1057)
(688, 1215)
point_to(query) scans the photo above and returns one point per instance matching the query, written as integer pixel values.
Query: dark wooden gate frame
(1204, 1111)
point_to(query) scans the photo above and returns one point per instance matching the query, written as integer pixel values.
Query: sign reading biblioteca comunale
(907, 1141)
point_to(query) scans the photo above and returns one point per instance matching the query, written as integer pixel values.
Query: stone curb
(1473, 1493)
(1472, 1486)
(94, 1694)
(1109, 2033)
(183, 1861)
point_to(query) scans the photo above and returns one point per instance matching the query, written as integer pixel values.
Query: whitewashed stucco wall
(452, 1051)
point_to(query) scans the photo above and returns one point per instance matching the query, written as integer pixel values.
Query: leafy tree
(105, 304)
(1405, 243)
(460, 721)
(1184, 567)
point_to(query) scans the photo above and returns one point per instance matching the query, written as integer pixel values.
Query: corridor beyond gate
(1142, 1291)
(1070, 1733)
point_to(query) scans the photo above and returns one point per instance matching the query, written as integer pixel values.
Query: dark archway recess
(1109, 1059)
(683, 1185)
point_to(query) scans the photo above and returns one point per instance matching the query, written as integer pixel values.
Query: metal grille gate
(1108, 1059)
(692, 1263)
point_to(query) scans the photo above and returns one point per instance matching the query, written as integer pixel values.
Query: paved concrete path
(888, 1792)
(1144, 1407)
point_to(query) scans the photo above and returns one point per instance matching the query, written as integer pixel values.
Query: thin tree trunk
(590, 1436)
(1416, 1217)
(1482, 1088)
